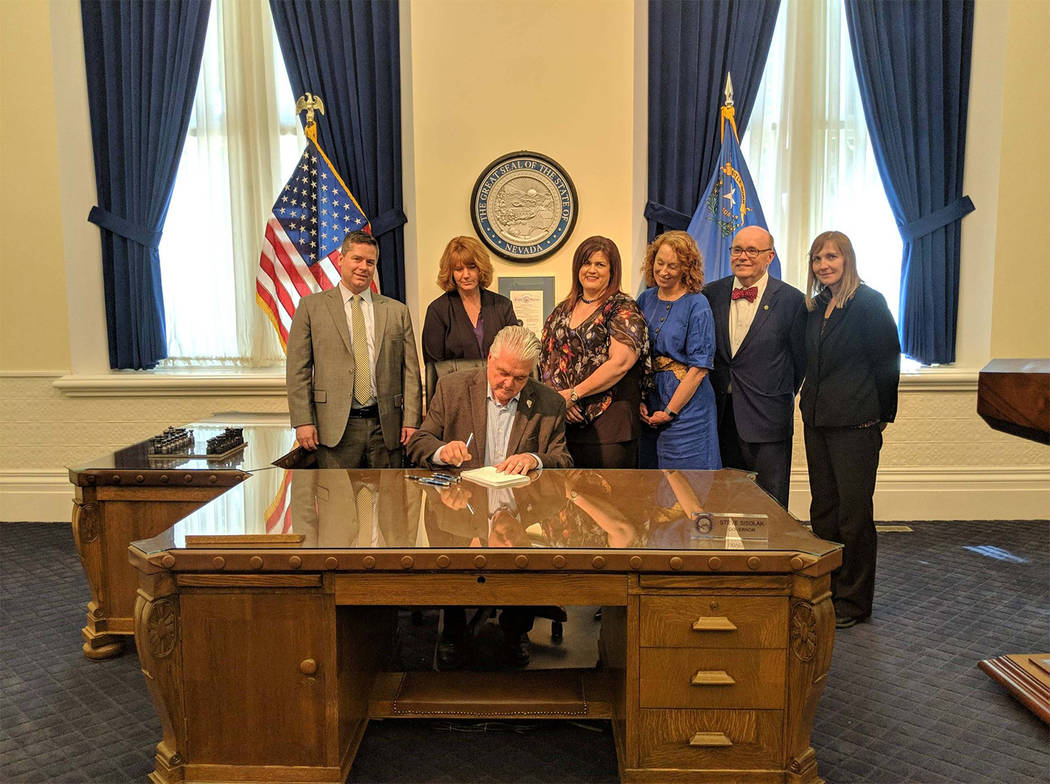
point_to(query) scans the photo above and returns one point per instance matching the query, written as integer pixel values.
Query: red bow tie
(750, 294)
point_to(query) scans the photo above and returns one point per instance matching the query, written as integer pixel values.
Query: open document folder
(490, 477)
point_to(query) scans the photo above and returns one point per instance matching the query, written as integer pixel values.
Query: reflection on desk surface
(262, 442)
(568, 509)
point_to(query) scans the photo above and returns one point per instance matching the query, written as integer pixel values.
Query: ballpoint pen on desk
(427, 480)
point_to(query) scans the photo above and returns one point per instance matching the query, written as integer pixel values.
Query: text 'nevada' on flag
(309, 220)
(727, 204)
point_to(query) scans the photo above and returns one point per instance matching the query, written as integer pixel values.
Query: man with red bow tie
(760, 360)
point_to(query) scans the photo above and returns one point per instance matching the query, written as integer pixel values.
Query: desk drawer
(700, 678)
(725, 739)
(714, 621)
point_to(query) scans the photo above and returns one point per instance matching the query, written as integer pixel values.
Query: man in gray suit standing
(354, 392)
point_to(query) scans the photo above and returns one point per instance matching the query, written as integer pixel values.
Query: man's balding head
(751, 254)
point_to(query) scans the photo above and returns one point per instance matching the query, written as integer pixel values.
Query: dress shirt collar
(347, 295)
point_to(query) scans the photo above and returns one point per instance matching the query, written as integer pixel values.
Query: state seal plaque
(524, 206)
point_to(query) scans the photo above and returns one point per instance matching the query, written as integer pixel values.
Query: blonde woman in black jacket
(849, 396)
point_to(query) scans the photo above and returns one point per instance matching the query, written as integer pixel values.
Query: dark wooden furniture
(1026, 676)
(127, 495)
(266, 657)
(1013, 396)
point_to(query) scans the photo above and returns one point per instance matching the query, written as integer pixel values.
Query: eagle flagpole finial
(310, 103)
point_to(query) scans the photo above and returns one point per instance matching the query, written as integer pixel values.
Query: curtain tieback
(661, 213)
(122, 227)
(388, 221)
(937, 219)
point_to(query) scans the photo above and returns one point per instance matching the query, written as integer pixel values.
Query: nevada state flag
(727, 204)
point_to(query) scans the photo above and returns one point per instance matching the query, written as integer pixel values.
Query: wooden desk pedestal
(107, 517)
(266, 664)
(130, 495)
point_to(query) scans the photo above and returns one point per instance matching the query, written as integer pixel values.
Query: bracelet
(672, 414)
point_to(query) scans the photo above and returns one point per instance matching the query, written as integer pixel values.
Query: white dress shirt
(742, 313)
(368, 311)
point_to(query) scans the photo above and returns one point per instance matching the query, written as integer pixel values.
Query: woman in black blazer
(462, 322)
(849, 396)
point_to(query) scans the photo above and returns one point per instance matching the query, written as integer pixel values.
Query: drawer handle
(710, 739)
(712, 678)
(713, 623)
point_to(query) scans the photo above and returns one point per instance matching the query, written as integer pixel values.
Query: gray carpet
(905, 701)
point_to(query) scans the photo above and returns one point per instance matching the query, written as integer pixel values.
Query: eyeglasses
(749, 252)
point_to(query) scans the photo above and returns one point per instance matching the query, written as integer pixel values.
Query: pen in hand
(470, 440)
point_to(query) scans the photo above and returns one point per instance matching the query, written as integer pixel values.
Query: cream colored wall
(544, 75)
(483, 79)
(33, 324)
(1021, 323)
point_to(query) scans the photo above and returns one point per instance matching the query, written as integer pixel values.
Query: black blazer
(768, 367)
(448, 333)
(854, 366)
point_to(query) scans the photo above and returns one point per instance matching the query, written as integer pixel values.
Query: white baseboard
(933, 493)
(35, 495)
(949, 493)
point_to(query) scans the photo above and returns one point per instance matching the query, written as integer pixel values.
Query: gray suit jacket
(459, 408)
(320, 367)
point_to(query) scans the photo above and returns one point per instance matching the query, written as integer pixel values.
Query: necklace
(586, 301)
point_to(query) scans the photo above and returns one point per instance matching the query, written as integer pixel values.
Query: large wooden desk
(265, 656)
(127, 495)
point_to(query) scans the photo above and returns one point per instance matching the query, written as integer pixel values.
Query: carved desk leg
(87, 523)
(812, 630)
(157, 632)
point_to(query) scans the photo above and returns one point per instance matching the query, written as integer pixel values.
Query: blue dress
(683, 330)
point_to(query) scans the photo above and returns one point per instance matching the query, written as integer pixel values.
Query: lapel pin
(528, 403)
(765, 307)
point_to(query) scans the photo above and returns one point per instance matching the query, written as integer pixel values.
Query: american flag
(278, 514)
(309, 220)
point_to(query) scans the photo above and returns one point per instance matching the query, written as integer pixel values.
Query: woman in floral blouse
(596, 354)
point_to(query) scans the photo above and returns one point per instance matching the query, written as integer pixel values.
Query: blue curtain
(142, 58)
(348, 53)
(913, 65)
(692, 45)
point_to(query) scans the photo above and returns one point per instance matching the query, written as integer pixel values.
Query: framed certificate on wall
(532, 297)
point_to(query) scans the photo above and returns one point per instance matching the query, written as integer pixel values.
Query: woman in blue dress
(680, 407)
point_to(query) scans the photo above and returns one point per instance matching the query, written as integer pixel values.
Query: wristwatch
(670, 413)
(573, 397)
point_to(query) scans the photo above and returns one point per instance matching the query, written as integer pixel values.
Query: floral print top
(571, 355)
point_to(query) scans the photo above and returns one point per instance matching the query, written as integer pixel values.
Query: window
(243, 140)
(808, 151)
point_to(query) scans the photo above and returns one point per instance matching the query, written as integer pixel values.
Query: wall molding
(949, 493)
(901, 494)
(35, 495)
(194, 382)
(270, 381)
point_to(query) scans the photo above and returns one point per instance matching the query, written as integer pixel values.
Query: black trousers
(843, 462)
(514, 621)
(586, 454)
(771, 460)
